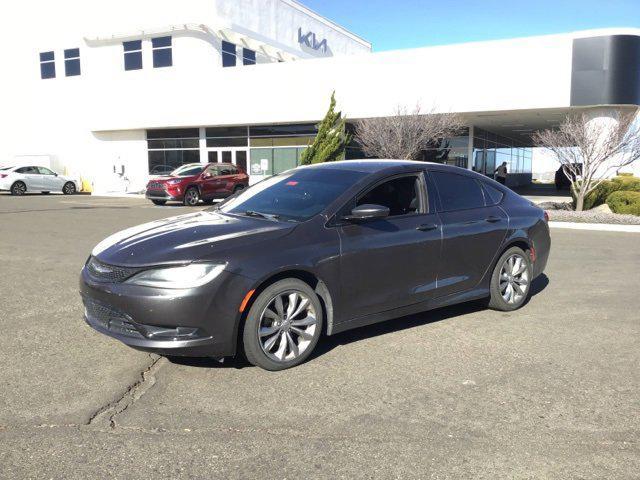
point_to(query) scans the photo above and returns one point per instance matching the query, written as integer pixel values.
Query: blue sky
(391, 24)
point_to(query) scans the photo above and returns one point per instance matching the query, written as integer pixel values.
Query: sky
(394, 24)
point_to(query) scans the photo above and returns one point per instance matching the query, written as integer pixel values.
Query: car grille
(109, 273)
(155, 186)
(109, 318)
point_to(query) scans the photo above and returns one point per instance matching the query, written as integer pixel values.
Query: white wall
(63, 118)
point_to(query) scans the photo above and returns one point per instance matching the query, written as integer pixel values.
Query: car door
(209, 182)
(226, 179)
(31, 177)
(390, 262)
(472, 231)
(50, 180)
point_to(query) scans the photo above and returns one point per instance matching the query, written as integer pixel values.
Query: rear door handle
(493, 219)
(425, 227)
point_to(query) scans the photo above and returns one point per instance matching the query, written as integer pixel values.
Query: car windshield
(295, 195)
(188, 170)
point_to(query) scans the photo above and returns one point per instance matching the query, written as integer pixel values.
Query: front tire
(191, 197)
(69, 188)
(18, 188)
(283, 325)
(511, 280)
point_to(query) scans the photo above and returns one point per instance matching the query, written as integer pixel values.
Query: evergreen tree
(331, 140)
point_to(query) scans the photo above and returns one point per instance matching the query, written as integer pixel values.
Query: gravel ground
(561, 212)
(592, 217)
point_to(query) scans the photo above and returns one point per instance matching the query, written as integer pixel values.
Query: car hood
(205, 235)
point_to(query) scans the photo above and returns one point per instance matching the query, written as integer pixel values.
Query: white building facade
(115, 92)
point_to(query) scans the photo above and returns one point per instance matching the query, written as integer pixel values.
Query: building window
(132, 55)
(47, 65)
(170, 148)
(162, 56)
(248, 57)
(72, 62)
(228, 54)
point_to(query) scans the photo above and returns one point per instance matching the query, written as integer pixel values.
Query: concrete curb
(603, 227)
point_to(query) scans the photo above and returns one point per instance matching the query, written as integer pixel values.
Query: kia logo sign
(310, 40)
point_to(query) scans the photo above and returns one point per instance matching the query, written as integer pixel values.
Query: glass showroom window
(228, 54)
(47, 65)
(162, 56)
(72, 62)
(132, 55)
(248, 57)
(170, 148)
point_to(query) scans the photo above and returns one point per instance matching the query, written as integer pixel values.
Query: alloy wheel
(514, 279)
(192, 197)
(287, 326)
(69, 188)
(19, 188)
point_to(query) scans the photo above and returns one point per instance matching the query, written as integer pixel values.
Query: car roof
(381, 165)
(366, 166)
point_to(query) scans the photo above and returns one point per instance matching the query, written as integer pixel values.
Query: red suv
(196, 181)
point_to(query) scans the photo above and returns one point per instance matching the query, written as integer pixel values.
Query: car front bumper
(162, 195)
(197, 322)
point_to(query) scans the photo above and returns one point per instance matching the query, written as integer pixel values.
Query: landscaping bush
(627, 183)
(624, 202)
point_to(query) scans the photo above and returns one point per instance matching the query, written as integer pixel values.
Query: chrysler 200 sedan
(315, 250)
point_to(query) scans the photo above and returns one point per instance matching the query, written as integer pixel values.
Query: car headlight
(186, 276)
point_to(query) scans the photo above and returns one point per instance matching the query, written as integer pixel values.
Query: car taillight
(2, 175)
(546, 216)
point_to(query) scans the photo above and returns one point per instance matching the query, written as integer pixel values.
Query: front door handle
(425, 227)
(493, 219)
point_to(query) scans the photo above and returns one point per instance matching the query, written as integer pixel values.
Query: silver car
(19, 180)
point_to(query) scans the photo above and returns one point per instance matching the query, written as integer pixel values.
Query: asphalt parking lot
(549, 391)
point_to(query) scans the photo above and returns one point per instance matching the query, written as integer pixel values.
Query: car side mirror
(368, 211)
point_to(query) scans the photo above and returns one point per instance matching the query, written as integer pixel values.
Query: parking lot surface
(549, 391)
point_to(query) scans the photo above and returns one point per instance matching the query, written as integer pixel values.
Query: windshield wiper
(268, 216)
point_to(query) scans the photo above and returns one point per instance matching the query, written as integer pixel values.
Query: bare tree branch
(591, 149)
(404, 134)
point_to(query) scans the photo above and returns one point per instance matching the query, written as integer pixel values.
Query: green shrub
(625, 174)
(627, 183)
(624, 202)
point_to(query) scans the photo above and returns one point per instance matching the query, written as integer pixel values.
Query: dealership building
(117, 92)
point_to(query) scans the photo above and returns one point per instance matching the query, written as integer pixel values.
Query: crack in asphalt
(105, 415)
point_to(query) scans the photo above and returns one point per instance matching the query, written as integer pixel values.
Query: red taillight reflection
(532, 254)
(546, 216)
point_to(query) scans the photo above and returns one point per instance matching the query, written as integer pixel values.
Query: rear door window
(493, 196)
(28, 171)
(458, 192)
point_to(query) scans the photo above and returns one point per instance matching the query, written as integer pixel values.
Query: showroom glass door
(237, 156)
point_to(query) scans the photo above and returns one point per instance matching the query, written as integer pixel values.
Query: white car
(19, 180)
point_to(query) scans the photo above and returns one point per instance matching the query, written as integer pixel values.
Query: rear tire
(191, 197)
(283, 325)
(511, 280)
(45, 193)
(159, 202)
(18, 188)
(69, 188)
